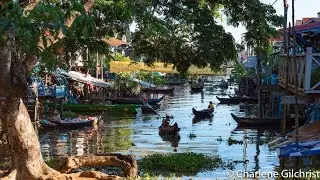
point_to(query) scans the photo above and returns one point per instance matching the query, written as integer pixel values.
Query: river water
(139, 135)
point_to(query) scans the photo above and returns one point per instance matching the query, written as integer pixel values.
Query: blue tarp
(300, 150)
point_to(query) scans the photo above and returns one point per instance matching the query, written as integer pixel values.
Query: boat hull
(171, 130)
(71, 124)
(237, 100)
(155, 101)
(196, 89)
(159, 90)
(202, 114)
(256, 122)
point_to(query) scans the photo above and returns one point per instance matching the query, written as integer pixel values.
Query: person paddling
(210, 106)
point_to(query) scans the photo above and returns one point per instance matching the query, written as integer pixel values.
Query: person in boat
(200, 82)
(210, 106)
(166, 121)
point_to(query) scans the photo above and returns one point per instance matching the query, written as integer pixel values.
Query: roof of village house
(307, 19)
(114, 42)
(312, 25)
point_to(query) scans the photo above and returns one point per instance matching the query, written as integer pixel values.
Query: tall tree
(186, 33)
(27, 29)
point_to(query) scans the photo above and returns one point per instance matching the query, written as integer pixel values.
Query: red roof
(305, 20)
(114, 42)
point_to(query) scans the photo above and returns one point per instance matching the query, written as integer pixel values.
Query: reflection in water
(173, 139)
(107, 136)
(116, 134)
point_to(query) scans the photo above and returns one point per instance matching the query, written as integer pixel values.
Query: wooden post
(288, 56)
(97, 65)
(307, 80)
(61, 106)
(284, 119)
(295, 75)
(102, 60)
(247, 89)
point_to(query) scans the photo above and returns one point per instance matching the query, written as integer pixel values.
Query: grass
(125, 66)
(178, 163)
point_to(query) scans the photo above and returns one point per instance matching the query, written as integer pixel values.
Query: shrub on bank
(180, 163)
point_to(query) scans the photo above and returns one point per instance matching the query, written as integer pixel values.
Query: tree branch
(31, 60)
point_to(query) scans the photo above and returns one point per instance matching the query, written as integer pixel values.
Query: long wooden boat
(202, 114)
(255, 121)
(116, 108)
(70, 123)
(150, 109)
(159, 90)
(155, 101)
(237, 100)
(134, 100)
(196, 89)
(170, 130)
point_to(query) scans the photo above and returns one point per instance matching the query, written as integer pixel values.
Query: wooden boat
(70, 123)
(150, 109)
(237, 100)
(134, 100)
(255, 121)
(155, 101)
(159, 90)
(223, 84)
(202, 114)
(170, 130)
(195, 88)
(126, 109)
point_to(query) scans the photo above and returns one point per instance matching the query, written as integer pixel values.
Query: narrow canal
(138, 135)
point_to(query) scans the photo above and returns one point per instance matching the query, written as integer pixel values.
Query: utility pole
(285, 48)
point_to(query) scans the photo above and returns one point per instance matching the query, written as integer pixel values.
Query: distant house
(118, 46)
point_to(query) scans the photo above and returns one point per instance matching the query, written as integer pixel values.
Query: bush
(182, 163)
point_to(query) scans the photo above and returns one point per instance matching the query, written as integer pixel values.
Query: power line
(274, 2)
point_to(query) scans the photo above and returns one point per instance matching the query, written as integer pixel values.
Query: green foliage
(151, 77)
(182, 163)
(192, 136)
(121, 57)
(69, 114)
(240, 72)
(233, 141)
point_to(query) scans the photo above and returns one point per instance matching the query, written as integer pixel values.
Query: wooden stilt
(284, 119)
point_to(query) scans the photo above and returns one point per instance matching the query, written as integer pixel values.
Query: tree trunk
(23, 141)
(27, 162)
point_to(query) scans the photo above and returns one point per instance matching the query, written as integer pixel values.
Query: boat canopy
(76, 76)
(142, 83)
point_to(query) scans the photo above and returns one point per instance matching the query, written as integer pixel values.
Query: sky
(303, 8)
